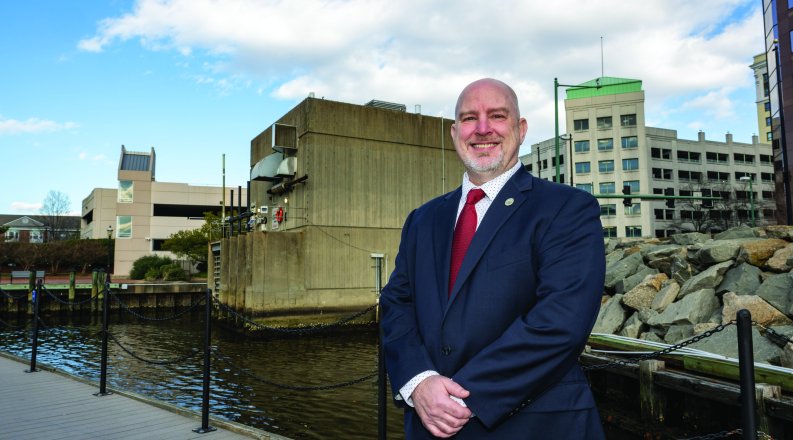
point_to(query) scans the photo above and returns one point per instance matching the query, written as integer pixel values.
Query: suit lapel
(508, 201)
(443, 232)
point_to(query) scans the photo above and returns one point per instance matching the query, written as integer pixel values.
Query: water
(72, 344)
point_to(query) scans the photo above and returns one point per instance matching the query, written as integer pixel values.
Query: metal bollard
(746, 369)
(207, 355)
(103, 362)
(35, 336)
(381, 373)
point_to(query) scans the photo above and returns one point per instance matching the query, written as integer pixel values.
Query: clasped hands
(442, 416)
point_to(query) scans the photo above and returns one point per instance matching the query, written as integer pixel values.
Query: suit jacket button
(446, 350)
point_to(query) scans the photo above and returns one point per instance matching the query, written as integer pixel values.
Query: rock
(743, 279)
(782, 260)
(632, 327)
(741, 231)
(660, 257)
(611, 316)
(650, 336)
(762, 312)
(641, 296)
(725, 343)
(677, 333)
(757, 252)
(777, 291)
(694, 308)
(707, 279)
(634, 280)
(610, 245)
(681, 269)
(622, 269)
(614, 256)
(703, 327)
(665, 296)
(717, 251)
(780, 231)
(690, 238)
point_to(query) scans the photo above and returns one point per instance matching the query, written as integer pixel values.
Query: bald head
(510, 94)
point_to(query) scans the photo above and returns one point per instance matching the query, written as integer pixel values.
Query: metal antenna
(601, 57)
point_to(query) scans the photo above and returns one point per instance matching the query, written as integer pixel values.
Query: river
(72, 343)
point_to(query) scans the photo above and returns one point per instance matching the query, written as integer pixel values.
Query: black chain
(193, 352)
(297, 330)
(69, 303)
(779, 339)
(10, 296)
(129, 310)
(225, 359)
(632, 361)
(724, 434)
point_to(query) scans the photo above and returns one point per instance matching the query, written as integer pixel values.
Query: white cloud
(32, 125)
(25, 207)
(93, 158)
(424, 52)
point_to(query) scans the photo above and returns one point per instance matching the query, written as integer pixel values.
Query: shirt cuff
(407, 389)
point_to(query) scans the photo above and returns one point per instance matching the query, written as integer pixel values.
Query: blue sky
(196, 79)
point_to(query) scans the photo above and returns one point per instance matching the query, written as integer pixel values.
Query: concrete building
(763, 103)
(778, 25)
(142, 213)
(332, 184)
(609, 147)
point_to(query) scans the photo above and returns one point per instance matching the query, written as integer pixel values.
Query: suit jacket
(518, 316)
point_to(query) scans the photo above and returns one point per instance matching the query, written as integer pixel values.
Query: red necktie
(464, 233)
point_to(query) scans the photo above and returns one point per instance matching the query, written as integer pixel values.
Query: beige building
(609, 147)
(142, 213)
(762, 102)
(332, 184)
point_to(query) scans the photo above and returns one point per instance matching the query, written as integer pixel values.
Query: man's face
(488, 130)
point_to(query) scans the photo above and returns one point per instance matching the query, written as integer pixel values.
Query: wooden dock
(49, 404)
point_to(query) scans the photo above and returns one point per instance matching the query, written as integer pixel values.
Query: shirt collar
(493, 186)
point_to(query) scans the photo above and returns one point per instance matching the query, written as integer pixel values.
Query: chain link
(69, 303)
(779, 339)
(296, 330)
(225, 359)
(193, 351)
(129, 310)
(725, 434)
(632, 361)
(10, 296)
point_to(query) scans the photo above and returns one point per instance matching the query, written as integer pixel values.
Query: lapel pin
(509, 201)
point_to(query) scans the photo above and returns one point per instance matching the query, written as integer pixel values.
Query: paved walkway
(50, 405)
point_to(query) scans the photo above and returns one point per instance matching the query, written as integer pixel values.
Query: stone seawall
(669, 290)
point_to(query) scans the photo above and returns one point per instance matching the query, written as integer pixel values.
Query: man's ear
(453, 130)
(524, 127)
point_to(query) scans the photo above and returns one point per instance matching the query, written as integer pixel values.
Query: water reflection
(72, 344)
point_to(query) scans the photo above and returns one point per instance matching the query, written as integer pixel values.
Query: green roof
(603, 86)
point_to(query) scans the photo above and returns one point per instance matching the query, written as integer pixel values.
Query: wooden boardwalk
(52, 405)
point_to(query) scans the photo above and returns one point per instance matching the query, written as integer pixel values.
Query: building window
(604, 122)
(628, 120)
(634, 184)
(689, 176)
(581, 146)
(718, 176)
(717, 158)
(607, 188)
(633, 231)
(688, 156)
(581, 124)
(634, 209)
(125, 191)
(582, 167)
(768, 195)
(605, 144)
(609, 232)
(769, 136)
(630, 164)
(609, 210)
(765, 159)
(768, 121)
(662, 173)
(661, 153)
(739, 174)
(630, 142)
(767, 106)
(743, 158)
(585, 187)
(767, 177)
(606, 166)
(124, 226)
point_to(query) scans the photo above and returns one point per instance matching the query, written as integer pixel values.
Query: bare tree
(55, 208)
(710, 215)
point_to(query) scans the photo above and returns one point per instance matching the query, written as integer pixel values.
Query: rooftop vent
(386, 105)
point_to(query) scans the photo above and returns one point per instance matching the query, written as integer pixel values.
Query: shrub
(152, 274)
(173, 272)
(148, 265)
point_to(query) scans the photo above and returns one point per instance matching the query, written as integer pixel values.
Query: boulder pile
(668, 290)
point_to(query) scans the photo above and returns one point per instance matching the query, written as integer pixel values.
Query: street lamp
(109, 247)
(569, 139)
(751, 196)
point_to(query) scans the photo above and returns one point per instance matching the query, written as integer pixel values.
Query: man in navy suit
(485, 345)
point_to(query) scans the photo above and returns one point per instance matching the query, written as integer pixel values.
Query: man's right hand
(441, 415)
